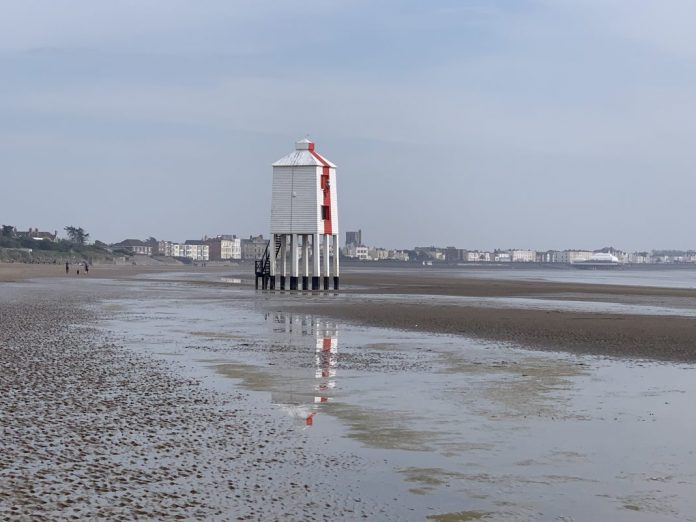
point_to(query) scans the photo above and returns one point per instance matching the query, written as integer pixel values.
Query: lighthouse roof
(304, 155)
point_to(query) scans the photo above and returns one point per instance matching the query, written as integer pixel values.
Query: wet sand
(422, 283)
(664, 337)
(634, 336)
(91, 430)
(98, 424)
(13, 272)
(452, 428)
(668, 338)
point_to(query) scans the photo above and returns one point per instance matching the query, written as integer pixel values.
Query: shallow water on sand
(451, 428)
(653, 276)
(681, 308)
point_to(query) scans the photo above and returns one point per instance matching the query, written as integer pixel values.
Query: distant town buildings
(523, 256)
(227, 247)
(36, 234)
(453, 255)
(197, 250)
(191, 249)
(639, 258)
(354, 238)
(572, 256)
(134, 246)
(550, 256)
(398, 255)
(476, 256)
(224, 247)
(253, 248)
(378, 253)
(502, 256)
(362, 253)
(164, 248)
(430, 253)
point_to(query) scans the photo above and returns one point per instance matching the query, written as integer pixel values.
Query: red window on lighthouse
(326, 207)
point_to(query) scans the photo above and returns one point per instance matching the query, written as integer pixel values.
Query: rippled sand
(91, 430)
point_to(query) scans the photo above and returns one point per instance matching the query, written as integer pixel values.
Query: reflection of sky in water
(462, 424)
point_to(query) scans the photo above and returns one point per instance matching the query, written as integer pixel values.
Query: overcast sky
(480, 124)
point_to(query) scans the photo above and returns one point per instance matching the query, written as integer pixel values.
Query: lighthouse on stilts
(304, 223)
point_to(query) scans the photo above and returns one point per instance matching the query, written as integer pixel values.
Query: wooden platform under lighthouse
(304, 222)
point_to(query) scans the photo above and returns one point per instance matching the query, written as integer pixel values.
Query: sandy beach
(10, 272)
(92, 430)
(170, 394)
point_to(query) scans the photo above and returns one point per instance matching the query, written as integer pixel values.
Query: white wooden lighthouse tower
(304, 220)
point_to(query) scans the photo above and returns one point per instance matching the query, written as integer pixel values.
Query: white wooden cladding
(297, 200)
(296, 206)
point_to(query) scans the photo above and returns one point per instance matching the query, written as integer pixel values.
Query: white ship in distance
(600, 260)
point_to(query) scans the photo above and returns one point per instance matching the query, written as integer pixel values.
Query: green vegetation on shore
(21, 248)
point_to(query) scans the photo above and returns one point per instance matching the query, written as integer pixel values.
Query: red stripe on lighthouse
(328, 223)
(317, 156)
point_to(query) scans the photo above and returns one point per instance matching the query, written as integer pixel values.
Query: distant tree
(7, 231)
(77, 235)
(82, 236)
(672, 253)
(71, 231)
(154, 244)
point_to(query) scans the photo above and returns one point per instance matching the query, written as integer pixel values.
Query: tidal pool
(447, 428)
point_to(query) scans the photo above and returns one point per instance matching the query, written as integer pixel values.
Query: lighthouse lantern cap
(304, 144)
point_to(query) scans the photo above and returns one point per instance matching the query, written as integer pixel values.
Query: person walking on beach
(86, 268)
(67, 268)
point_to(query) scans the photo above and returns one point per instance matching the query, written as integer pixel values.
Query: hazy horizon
(535, 124)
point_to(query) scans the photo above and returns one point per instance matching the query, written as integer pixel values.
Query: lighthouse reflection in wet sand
(304, 220)
(304, 401)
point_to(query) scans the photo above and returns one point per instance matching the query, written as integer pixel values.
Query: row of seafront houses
(219, 248)
(32, 233)
(569, 256)
(231, 247)
(355, 249)
(460, 255)
(453, 255)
